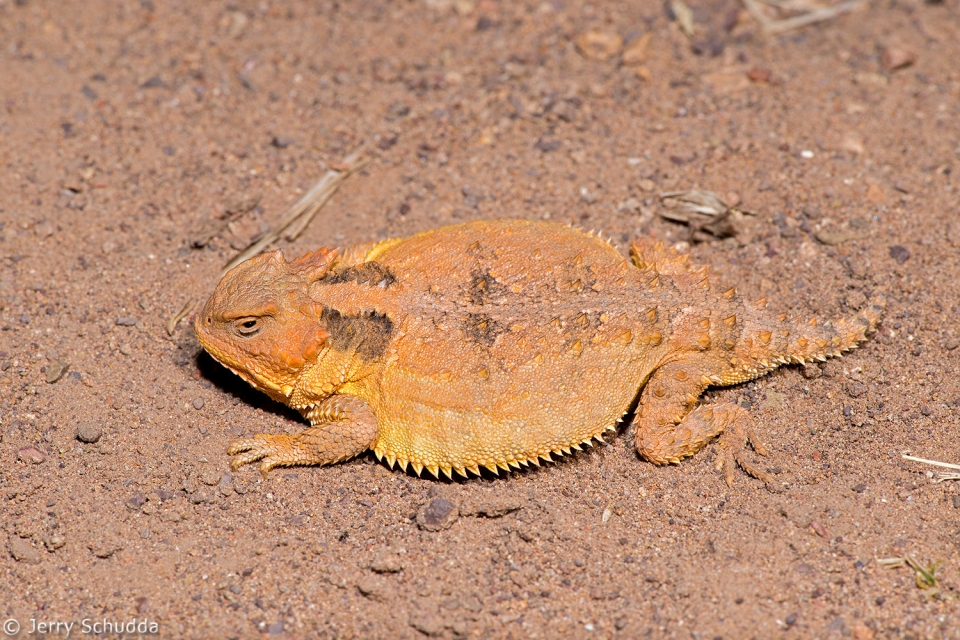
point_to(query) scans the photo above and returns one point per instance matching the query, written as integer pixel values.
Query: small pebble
(952, 344)
(126, 321)
(599, 45)
(125, 349)
(438, 514)
(22, 550)
(896, 57)
(926, 410)
(899, 253)
(197, 403)
(55, 371)
(54, 542)
(860, 488)
(31, 455)
(88, 433)
(956, 501)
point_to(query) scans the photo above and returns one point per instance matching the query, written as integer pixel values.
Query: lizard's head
(261, 323)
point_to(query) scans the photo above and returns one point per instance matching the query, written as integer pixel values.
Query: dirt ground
(143, 143)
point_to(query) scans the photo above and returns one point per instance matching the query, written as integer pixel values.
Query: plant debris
(799, 13)
(175, 319)
(704, 212)
(926, 575)
(941, 475)
(302, 212)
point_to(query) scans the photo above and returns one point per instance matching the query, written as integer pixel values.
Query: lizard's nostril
(209, 320)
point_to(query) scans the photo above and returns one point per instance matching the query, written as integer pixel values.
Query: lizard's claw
(732, 443)
(271, 450)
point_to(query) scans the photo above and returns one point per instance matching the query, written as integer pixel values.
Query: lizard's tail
(770, 341)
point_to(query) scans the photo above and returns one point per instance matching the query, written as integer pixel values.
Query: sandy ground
(131, 133)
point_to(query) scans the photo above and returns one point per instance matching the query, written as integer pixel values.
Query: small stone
(856, 389)
(104, 547)
(31, 455)
(144, 533)
(438, 514)
(276, 628)
(926, 410)
(956, 501)
(55, 371)
(282, 142)
(599, 45)
(88, 433)
(859, 488)
(875, 194)
(899, 253)
(897, 57)
(647, 185)
(811, 371)
(210, 477)
(54, 541)
(880, 600)
(387, 562)
(126, 321)
(372, 587)
(837, 625)
(136, 501)
(951, 344)
(197, 403)
(428, 624)
(862, 632)
(22, 550)
(636, 50)
(126, 349)
(759, 75)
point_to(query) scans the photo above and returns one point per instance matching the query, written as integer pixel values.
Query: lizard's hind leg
(668, 431)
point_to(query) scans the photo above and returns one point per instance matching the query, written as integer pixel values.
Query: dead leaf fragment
(636, 50)
(684, 17)
(599, 45)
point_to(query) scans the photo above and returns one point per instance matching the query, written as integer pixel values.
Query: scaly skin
(496, 344)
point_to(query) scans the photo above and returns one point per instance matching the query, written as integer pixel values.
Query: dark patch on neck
(483, 287)
(372, 274)
(482, 329)
(367, 333)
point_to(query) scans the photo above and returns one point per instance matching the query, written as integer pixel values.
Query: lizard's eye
(248, 326)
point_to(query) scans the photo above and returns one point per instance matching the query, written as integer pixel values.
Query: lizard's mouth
(250, 377)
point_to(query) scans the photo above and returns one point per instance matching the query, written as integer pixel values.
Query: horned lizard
(499, 343)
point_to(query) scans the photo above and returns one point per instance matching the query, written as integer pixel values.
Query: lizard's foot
(737, 431)
(345, 427)
(666, 443)
(272, 451)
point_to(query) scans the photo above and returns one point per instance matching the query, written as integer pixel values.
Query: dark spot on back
(483, 287)
(367, 333)
(373, 274)
(482, 329)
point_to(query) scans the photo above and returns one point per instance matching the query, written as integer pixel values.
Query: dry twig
(941, 475)
(802, 20)
(303, 211)
(175, 319)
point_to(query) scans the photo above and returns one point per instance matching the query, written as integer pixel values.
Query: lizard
(497, 344)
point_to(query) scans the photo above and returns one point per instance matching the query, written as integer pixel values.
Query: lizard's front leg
(668, 431)
(343, 427)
